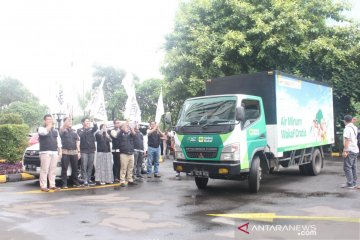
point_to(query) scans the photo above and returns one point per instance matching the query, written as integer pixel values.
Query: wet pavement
(167, 208)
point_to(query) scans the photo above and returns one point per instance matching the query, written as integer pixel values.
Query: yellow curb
(2, 178)
(335, 154)
(26, 176)
(72, 189)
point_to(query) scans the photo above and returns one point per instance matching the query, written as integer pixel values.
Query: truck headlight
(178, 152)
(230, 152)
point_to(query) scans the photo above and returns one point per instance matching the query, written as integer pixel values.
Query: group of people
(121, 163)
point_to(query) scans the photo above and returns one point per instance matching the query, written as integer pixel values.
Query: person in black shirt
(154, 135)
(87, 149)
(138, 152)
(126, 154)
(104, 159)
(115, 136)
(70, 152)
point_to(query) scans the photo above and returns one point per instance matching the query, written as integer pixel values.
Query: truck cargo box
(298, 111)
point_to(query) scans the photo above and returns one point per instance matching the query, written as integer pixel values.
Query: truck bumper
(212, 168)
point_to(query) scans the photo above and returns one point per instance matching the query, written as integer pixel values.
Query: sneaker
(64, 187)
(157, 175)
(116, 180)
(177, 174)
(348, 186)
(92, 183)
(45, 190)
(149, 176)
(86, 184)
(139, 177)
(133, 183)
(102, 183)
(77, 185)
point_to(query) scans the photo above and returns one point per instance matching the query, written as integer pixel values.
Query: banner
(160, 108)
(132, 110)
(96, 106)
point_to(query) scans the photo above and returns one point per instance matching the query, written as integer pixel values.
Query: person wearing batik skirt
(104, 159)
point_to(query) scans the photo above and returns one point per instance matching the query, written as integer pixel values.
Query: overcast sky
(58, 42)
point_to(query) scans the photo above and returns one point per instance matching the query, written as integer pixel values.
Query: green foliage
(12, 90)
(114, 93)
(147, 94)
(219, 38)
(31, 112)
(11, 118)
(13, 141)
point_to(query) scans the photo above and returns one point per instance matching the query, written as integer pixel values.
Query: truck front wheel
(255, 175)
(201, 183)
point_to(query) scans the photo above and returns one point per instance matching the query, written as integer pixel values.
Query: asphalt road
(296, 207)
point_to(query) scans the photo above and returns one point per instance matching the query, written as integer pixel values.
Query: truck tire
(201, 183)
(255, 175)
(314, 167)
(302, 170)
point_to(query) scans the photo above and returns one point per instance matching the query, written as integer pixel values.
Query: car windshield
(205, 112)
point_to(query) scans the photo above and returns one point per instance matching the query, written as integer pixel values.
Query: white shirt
(350, 133)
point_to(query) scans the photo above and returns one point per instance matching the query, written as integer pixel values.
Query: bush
(11, 118)
(13, 141)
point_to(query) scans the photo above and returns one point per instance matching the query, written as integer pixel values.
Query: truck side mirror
(167, 118)
(240, 114)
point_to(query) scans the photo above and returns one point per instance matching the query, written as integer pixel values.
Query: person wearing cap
(350, 152)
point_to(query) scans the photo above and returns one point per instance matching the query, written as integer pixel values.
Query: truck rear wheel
(255, 175)
(314, 167)
(201, 183)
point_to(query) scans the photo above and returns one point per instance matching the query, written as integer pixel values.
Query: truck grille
(201, 152)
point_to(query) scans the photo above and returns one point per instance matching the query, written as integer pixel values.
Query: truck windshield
(207, 115)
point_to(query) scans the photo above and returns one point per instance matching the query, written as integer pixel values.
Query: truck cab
(218, 136)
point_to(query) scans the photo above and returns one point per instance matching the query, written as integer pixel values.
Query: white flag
(160, 108)
(97, 104)
(132, 110)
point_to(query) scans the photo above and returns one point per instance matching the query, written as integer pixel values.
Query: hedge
(11, 118)
(13, 141)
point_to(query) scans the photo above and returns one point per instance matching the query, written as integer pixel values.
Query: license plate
(199, 173)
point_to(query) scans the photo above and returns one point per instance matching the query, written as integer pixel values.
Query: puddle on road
(126, 219)
(312, 194)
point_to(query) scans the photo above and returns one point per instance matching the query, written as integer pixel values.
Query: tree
(12, 90)
(217, 38)
(114, 93)
(147, 94)
(31, 112)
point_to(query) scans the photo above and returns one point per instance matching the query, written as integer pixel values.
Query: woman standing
(104, 160)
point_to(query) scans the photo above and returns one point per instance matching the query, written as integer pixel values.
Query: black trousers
(65, 160)
(116, 166)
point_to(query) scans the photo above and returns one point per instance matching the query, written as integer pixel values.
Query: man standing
(126, 155)
(87, 149)
(70, 152)
(350, 152)
(50, 151)
(115, 136)
(138, 152)
(154, 135)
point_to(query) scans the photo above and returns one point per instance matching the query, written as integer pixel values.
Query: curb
(16, 177)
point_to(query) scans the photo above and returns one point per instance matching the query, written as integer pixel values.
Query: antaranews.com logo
(298, 229)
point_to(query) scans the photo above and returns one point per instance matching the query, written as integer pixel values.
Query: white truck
(251, 123)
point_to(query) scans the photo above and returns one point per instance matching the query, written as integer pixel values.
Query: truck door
(254, 125)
